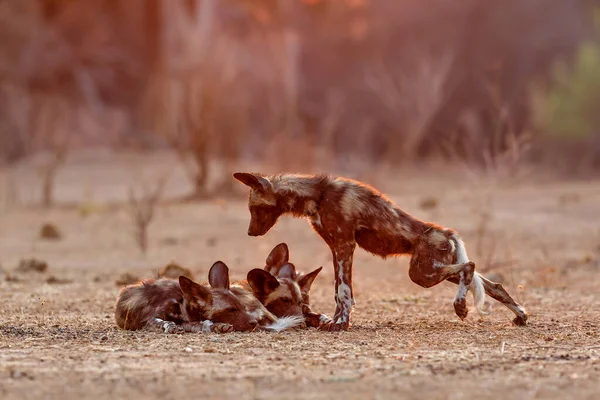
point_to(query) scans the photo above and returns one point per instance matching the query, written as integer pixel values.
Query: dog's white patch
(299, 184)
(344, 297)
(256, 199)
(452, 246)
(324, 319)
(207, 326)
(310, 207)
(461, 251)
(166, 326)
(476, 285)
(285, 323)
(291, 202)
(478, 291)
(315, 219)
(349, 202)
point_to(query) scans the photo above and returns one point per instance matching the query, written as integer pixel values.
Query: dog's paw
(172, 328)
(460, 308)
(520, 320)
(334, 326)
(221, 328)
(314, 320)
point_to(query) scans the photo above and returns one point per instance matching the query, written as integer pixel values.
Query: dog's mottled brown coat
(176, 306)
(345, 213)
(280, 289)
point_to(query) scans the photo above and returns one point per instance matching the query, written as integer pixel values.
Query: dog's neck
(300, 206)
(299, 195)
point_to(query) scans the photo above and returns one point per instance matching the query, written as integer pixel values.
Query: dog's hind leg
(428, 273)
(496, 291)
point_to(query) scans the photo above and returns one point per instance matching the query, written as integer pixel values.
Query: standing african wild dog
(345, 213)
(279, 287)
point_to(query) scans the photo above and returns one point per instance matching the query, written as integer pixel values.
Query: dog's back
(137, 304)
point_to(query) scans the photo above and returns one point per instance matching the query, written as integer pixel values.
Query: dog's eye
(287, 301)
(232, 309)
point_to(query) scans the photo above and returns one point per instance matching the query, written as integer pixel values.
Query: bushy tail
(478, 291)
(476, 286)
(286, 323)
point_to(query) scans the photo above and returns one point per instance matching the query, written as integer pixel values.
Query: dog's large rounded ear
(306, 281)
(255, 181)
(287, 271)
(218, 276)
(261, 282)
(277, 257)
(194, 293)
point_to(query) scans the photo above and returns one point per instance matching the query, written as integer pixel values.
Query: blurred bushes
(297, 82)
(572, 106)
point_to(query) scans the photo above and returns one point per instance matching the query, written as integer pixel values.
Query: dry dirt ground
(58, 339)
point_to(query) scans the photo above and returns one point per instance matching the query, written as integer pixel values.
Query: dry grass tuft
(127, 279)
(174, 271)
(32, 265)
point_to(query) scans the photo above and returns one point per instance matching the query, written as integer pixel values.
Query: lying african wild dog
(280, 289)
(177, 306)
(345, 213)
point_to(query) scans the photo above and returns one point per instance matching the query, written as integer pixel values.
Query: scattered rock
(52, 280)
(174, 271)
(127, 279)
(32, 265)
(170, 241)
(429, 203)
(50, 232)
(16, 374)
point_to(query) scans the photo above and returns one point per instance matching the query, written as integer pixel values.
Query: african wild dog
(289, 292)
(185, 306)
(177, 306)
(286, 317)
(345, 213)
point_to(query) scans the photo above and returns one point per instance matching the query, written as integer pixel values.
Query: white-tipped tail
(478, 291)
(476, 286)
(285, 323)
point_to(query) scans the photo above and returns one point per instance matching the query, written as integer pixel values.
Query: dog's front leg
(344, 298)
(312, 319)
(160, 325)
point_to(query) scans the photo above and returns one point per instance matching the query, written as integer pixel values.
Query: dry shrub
(412, 97)
(174, 271)
(142, 210)
(32, 265)
(126, 279)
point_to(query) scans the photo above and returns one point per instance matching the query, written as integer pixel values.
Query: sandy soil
(58, 338)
